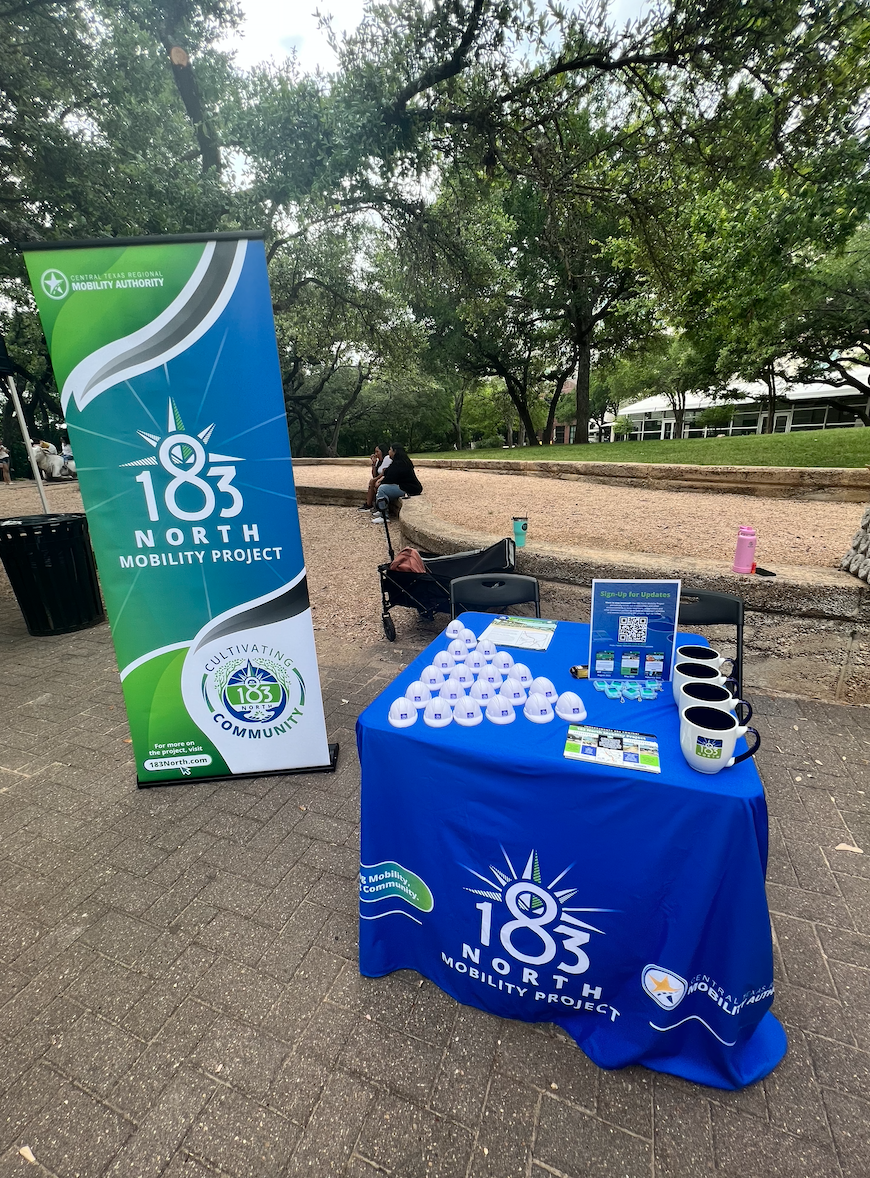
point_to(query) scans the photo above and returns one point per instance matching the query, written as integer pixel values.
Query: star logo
(664, 986)
(179, 450)
(535, 910)
(55, 284)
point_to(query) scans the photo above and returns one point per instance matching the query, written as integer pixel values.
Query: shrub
(715, 417)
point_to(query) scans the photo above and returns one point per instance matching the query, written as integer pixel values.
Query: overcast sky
(273, 28)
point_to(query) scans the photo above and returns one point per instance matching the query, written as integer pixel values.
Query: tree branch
(444, 70)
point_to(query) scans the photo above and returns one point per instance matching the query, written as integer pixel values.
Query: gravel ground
(343, 548)
(342, 551)
(598, 515)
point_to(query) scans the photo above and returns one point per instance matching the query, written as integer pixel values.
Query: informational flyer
(613, 747)
(526, 633)
(164, 351)
(633, 626)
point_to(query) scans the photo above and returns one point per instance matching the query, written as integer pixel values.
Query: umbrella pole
(19, 413)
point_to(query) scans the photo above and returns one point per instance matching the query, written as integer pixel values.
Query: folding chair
(706, 608)
(491, 592)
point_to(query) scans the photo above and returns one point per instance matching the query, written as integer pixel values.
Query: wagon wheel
(389, 628)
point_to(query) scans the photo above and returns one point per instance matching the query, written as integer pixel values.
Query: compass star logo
(185, 458)
(55, 284)
(540, 914)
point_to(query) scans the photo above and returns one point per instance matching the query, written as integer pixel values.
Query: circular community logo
(55, 284)
(255, 693)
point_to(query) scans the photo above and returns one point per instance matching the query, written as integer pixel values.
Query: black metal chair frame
(494, 591)
(704, 607)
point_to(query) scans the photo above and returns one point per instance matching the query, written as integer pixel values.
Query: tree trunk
(188, 89)
(554, 405)
(458, 402)
(517, 391)
(361, 377)
(527, 426)
(678, 405)
(769, 378)
(584, 365)
(317, 431)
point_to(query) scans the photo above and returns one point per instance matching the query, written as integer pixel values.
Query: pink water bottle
(744, 556)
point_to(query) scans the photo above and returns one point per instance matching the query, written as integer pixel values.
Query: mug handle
(747, 707)
(730, 670)
(731, 684)
(749, 752)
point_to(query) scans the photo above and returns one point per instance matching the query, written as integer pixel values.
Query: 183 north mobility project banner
(164, 351)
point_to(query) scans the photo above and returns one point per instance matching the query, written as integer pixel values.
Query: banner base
(330, 768)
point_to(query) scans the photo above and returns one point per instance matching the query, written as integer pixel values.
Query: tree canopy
(481, 190)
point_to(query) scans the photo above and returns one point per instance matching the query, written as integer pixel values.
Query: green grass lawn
(832, 447)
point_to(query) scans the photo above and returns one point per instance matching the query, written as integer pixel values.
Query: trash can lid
(29, 520)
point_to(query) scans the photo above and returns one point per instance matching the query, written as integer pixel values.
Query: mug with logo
(700, 693)
(703, 654)
(685, 672)
(708, 736)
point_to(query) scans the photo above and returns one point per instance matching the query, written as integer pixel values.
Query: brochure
(526, 633)
(611, 746)
(632, 629)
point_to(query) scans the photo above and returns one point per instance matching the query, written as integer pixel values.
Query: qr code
(632, 630)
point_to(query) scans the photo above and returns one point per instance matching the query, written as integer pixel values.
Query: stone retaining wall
(807, 630)
(835, 484)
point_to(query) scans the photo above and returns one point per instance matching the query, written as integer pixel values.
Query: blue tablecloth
(627, 907)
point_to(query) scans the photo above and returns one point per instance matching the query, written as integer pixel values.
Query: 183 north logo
(183, 456)
(531, 938)
(253, 691)
(194, 484)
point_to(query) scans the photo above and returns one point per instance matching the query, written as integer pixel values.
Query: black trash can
(50, 566)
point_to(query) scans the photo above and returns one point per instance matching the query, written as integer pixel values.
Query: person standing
(5, 464)
(400, 480)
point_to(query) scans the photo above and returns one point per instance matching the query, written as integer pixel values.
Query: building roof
(754, 391)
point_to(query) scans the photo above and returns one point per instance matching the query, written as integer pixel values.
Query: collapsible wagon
(429, 592)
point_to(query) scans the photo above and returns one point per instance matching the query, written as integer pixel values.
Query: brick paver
(179, 993)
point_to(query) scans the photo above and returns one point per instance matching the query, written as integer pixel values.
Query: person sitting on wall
(401, 480)
(380, 461)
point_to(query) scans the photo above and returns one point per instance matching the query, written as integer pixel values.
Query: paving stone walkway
(179, 993)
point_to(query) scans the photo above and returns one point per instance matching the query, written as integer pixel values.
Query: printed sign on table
(632, 629)
(164, 351)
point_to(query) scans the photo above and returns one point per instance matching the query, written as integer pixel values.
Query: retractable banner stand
(164, 351)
